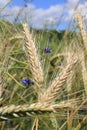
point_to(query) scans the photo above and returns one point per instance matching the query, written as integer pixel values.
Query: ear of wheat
(14, 111)
(81, 25)
(52, 91)
(33, 57)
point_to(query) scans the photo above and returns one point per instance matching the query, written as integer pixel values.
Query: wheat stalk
(79, 126)
(79, 19)
(0, 87)
(15, 111)
(34, 62)
(70, 77)
(80, 22)
(84, 70)
(84, 74)
(75, 110)
(52, 92)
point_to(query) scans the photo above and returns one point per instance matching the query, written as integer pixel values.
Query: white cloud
(4, 2)
(39, 17)
(73, 3)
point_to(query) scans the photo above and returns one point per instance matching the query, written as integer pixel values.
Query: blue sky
(53, 14)
(39, 3)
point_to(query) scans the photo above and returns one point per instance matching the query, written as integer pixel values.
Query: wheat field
(43, 82)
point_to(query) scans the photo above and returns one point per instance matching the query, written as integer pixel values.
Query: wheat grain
(15, 111)
(52, 92)
(81, 25)
(33, 58)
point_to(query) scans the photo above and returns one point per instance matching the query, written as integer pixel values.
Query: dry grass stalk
(84, 70)
(78, 127)
(73, 114)
(37, 123)
(52, 92)
(69, 82)
(70, 78)
(35, 65)
(81, 25)
(1, 91)
(0, 88)
(27, 110)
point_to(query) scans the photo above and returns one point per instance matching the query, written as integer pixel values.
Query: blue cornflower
(47, 50)
(27, 82)
(24, 81)
(32, 83)
(81, 110)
